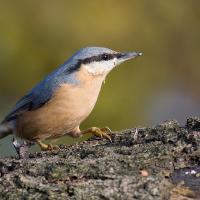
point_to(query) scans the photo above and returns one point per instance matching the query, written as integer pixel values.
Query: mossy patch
(153, 165)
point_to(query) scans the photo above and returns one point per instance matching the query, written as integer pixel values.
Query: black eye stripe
(105, 57)
(102, 57)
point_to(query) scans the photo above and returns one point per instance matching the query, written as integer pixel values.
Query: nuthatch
(63, 100)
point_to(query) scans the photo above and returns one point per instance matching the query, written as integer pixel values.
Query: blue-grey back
(43, 91)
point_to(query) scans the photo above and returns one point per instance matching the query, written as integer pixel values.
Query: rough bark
(162, 162)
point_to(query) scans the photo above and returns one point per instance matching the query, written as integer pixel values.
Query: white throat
(100, 68)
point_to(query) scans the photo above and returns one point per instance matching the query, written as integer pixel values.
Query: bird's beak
(130, 55)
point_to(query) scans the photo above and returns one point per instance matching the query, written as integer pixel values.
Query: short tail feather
(5, 130)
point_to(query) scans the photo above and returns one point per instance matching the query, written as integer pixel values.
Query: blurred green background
(37, 36)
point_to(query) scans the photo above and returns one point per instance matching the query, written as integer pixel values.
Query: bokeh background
(37, 36)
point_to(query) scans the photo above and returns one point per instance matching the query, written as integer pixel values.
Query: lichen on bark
(161, 162)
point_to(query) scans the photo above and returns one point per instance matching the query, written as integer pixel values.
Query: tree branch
(154, 163)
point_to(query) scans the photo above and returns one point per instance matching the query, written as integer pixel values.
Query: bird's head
(99, 60)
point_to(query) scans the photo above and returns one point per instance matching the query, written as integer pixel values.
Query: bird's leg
(99, 132)
(46, 147)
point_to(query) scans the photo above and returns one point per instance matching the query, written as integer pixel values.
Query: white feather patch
(100, 68)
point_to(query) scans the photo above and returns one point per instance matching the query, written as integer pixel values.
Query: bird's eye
(105, 57)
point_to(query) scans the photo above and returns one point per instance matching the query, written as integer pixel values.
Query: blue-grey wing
(36, 98)
(43, 92)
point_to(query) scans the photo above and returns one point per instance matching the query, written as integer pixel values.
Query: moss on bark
(156, 163)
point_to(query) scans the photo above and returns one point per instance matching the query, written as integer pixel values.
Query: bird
(59, 103)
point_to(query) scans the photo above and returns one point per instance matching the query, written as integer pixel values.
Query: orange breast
(69, 106)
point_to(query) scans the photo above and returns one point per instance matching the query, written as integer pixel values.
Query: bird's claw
(51, 147)
(47, 147)
(102, 132)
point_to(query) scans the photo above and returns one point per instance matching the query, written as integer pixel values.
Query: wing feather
(43, 92)
(33, 100)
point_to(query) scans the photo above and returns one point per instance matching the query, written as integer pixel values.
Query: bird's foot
(47, 147)
(99, 132)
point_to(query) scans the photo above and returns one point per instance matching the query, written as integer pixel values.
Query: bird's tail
(5, 129)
